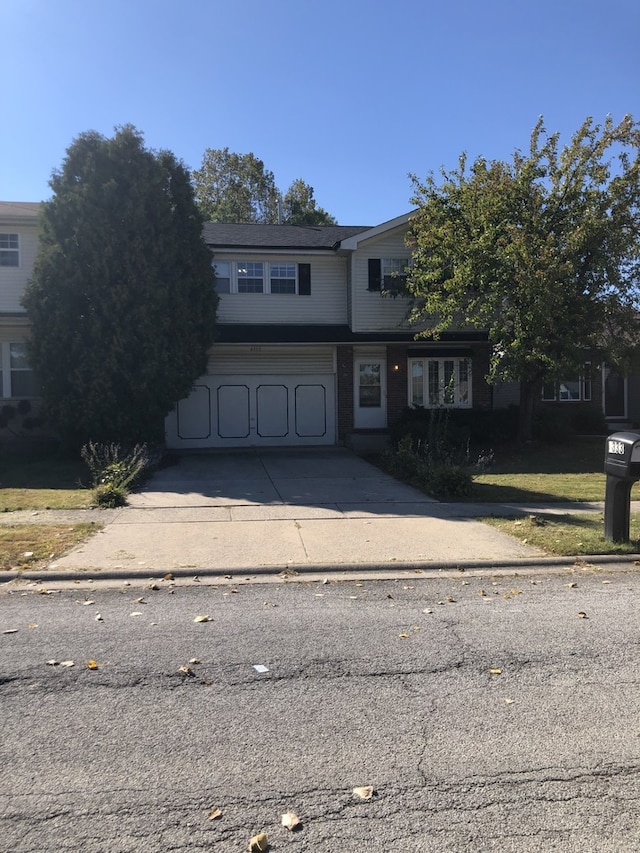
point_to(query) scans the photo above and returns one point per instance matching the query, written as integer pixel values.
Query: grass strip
(33, 546)
(568, 535)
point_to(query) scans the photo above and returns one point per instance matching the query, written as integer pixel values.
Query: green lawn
(545, 473)
(38, 481)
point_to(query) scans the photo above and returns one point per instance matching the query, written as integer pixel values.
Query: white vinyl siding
(371, 310)
(244, 358)
(14, 279)
(327, 303)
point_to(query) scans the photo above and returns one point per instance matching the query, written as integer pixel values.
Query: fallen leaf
(451, 599)
(290, 821)
(509, 701)
(52, 663)
(427, 610)
(153, 586)
(582, 615)
(99, 618)
(186, 670)
(495, 671)
(365, 793)
(32, 625)
(140, 601)
(404, 636)
(201, 618)
(168, 576)
(572, 584)
(259, 843)
(11, 631)
(92, 664)
(195, 660)
(67, 663)
(88, 601)
(136, 613)
(214, 814)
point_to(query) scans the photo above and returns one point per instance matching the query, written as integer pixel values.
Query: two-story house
(311, 347)
(18, 249)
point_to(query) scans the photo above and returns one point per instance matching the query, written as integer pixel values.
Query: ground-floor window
(440, 382)
(16, 376)
(572, 389)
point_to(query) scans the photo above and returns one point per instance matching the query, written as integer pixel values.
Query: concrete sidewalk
(287, 510)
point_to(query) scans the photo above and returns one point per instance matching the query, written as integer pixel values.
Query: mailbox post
(622, 467)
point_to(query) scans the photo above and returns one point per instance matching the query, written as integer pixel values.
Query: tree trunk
(529, 394)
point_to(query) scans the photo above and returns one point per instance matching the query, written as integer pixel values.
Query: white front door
(370, 389)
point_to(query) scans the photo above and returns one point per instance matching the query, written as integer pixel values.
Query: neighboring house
(312, 348)
(18, 248)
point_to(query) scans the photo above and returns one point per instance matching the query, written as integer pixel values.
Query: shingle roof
(226, 235)
(19, 209)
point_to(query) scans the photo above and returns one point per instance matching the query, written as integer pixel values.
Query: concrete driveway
(285, 509)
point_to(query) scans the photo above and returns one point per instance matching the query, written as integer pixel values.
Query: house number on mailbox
(616, 447)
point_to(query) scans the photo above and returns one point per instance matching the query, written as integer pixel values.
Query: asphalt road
(487, 713)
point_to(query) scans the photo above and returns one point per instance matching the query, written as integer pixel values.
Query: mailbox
(622, 467)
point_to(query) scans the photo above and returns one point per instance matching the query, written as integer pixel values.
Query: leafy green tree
(121, 301)
(237, 188)
(542, 252)
(299, 206)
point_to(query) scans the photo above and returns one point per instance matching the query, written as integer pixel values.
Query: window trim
(270, 269)
(7, 371)
(551, 392)
(390, 282)
(9, 250)
(427, 375)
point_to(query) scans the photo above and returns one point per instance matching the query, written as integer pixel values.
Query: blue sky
(350, 96)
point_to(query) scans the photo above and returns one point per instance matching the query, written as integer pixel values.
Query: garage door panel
(194, 414)
(233, 411)
(311, 411)
(272, 411)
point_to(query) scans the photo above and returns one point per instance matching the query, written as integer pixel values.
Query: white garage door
(265, 410)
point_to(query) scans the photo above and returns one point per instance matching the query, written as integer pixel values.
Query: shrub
(110, 496)
(115, 470)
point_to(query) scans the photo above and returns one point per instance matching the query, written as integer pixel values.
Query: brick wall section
(480, 391)
(397, 388)
(345, 391)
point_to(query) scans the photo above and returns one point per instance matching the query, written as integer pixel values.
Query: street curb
(324, 568)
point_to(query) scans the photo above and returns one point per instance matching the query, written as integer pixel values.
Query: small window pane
(250, 277)
(417, 383)
(434, 383)
(283, 278)
(9, 250)
(370, 388)
(463, 382)
(569, 389)
(222, 270)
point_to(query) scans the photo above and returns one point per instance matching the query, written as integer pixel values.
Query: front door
(370, 388)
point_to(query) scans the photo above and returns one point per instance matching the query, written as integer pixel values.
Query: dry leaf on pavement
(215, 813)
(92, 664)
(495, 672)
(201, 618)
(259, 843)
(291, 821)
(365, 792)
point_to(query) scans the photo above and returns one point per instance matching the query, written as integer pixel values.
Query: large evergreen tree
(121, 301)
(542, 252)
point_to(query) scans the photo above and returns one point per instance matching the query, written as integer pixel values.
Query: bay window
(440, 382)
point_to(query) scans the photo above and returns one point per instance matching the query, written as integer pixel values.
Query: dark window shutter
(304, 279)
(375, 274)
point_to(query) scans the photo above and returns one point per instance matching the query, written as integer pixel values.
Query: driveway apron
(284, 509)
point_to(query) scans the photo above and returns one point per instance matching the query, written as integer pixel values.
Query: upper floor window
(388, 274)
(440, 382)
(573, 389)
(9, 250)
(262, 277)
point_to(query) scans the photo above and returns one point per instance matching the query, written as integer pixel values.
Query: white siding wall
(370, 310)
(262, 359)
(326, 304)
(14, 279)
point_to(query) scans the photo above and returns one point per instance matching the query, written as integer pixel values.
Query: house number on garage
(255, 349)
